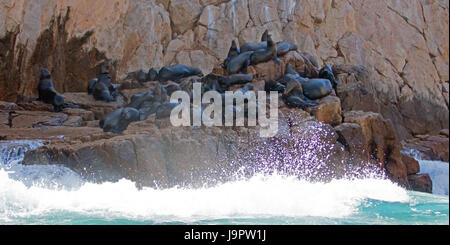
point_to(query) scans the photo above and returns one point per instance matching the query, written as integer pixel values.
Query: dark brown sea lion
(177, 72)
(233, 52)
(118, 121)
(265, 55)
(327, 73)
(47, 92)
(294, 96)
(317, 88)
(103, 89)
(138, 100)
(239, 63)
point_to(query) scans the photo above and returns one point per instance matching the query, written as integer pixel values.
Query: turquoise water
(55, 195)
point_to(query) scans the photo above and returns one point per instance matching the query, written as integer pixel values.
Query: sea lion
(118, 121)
(327, 73)
(141, 76)
(164, 110)
(272, 85)
(256, 46)
(138, 100)
(91, 85)
(47, 92)
(239, 63)
(211, 82)
(177, 72)
(152, 75)
(233, 52)
(291, 73)
(171, 87)
(235, 79)
(317, 88)
(294, 95)
(282, 47)
(285, 47)
(103, 89)
(265, 55)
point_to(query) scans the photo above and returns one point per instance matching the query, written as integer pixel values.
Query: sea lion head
(152, 75)
(130, 114)
(197, 72)
(45, 74)
(265, 36)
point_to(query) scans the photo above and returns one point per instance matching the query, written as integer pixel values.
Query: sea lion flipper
(245, 66)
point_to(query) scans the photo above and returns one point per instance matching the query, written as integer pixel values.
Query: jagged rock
(8, 106)
(421, 182)
(412, 165)
(352, 137)
(379, 133)
(328, 111)
(434, 147)
(37, 119)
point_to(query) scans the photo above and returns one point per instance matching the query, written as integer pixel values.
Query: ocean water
(56, 195)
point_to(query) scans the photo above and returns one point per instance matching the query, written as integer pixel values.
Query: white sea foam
(260, 196)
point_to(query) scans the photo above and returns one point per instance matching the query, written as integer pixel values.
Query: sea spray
(262, 199)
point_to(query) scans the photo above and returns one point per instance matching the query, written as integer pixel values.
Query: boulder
(421, 182)
(352, 137)
(430, 147)
(379, 134)
(328, 111)
(412, 165)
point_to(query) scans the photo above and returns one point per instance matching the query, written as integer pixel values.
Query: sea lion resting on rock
(265, 55)
(164, 110)
(47, 92)
(102, 88)
(239, 63)
(272, 85)
(138, 100)
(317, 88)
(152, 75)
(294, 95)
(311, 88)
(327, 73)
(177, 72)
(282, 47)
(118, 121)
(233, 52)
(139, 76)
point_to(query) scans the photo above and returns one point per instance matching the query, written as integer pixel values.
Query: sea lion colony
(297, 91)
